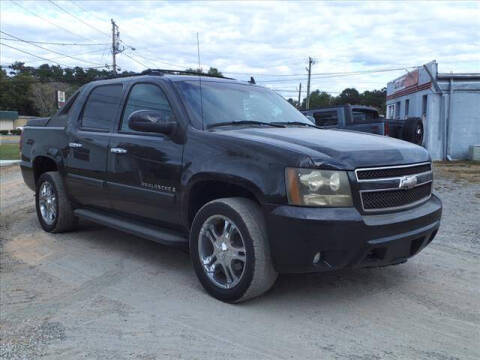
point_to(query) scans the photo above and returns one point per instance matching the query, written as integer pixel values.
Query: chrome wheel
(47, 202)
(222, 251)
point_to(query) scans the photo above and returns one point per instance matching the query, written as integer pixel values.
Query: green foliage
(31, 90)
(15, 92)
(212, 71)
(3, 132)
(348, 96)
(375, 98)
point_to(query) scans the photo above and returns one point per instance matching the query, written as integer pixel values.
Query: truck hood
(339, 149)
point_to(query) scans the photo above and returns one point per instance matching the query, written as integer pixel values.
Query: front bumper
(345, 238)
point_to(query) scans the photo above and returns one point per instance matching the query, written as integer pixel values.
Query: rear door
(144, 168)
(86, 159)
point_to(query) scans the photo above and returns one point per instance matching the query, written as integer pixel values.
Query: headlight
(307, 187)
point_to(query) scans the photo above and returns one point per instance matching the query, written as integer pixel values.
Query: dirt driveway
(101, 294)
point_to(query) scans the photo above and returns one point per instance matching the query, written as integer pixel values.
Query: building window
(397, 110)
(424, 105)
(390, 111)
(407, 106)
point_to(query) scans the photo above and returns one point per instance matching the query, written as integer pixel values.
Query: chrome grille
(395, 198)
(392, 172)
(394, 187)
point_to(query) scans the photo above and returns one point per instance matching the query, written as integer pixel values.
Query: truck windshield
(223, 102)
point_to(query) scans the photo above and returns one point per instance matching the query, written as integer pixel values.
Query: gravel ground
(101, 294)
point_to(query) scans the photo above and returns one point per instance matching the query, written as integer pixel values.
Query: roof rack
(161, 72)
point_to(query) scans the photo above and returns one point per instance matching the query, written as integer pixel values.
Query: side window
(326, 118)
(145, 97)
(101, 107)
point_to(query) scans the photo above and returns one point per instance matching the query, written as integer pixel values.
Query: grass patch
(459, 170)
(9, 152)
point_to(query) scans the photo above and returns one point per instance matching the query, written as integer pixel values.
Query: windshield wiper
(245, 122)
(297, 123)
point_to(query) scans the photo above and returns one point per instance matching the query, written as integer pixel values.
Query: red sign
(406, 81)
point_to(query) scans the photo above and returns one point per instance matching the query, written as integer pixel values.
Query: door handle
(75, 145)
(118, 151)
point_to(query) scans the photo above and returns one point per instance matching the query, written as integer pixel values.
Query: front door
(86, 160)
(144, 168)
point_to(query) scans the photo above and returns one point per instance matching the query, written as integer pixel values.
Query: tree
(375, 98)
(31, 91)
(211, 71)
(348, 96)
(15, 93)
(44, 98)
(318, 99)
(293, 102)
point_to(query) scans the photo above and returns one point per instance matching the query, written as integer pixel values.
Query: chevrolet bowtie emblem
(407, 182)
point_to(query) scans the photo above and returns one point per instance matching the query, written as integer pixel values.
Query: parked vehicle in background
(366, 119)
(349, 117)
(233, 172)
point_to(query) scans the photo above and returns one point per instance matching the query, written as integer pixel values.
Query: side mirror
(151, 121)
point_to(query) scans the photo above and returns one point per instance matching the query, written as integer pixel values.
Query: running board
(147, 231)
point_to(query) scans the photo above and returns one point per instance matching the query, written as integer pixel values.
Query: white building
(449, 105)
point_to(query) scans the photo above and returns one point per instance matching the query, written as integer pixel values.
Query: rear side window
(145, 97)
(326, 118)
(101, 107)
(364, 117)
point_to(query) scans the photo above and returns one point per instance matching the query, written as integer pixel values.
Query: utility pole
(115, 47)
(299, 95)
(309, 69)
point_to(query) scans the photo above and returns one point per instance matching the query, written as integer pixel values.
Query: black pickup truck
(233, 172)
(366, 119)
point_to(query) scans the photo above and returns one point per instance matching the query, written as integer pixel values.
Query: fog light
(316, 258)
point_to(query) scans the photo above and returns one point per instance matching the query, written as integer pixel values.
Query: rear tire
(54, 210)
(413, 131)
(215, 251)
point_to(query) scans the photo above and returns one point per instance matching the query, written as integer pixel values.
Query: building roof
(460, 76)
(8, 115)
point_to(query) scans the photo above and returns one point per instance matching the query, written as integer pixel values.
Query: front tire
(230, 251)
(54, 210)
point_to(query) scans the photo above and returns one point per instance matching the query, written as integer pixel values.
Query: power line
(86, 11)
(82, 54)
(138, 62)
(321, 74)
(47, 20)
(52, 51)
(57, 43)
(26, 52)
(75, 17)
(158, 61)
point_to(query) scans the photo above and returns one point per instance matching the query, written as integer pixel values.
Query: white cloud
(262, 37)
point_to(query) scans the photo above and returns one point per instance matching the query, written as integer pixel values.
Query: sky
(270, 40)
